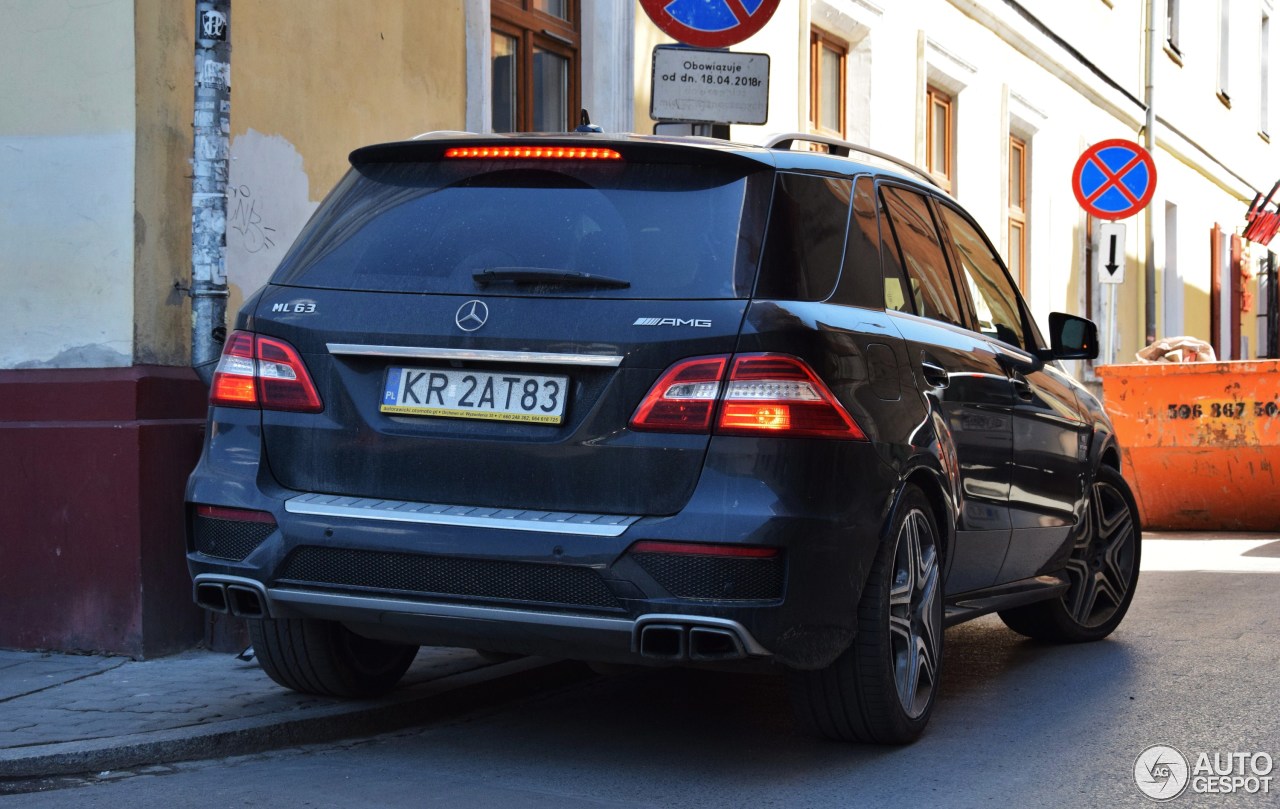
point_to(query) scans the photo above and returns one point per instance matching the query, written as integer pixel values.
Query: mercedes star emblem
(471, 315)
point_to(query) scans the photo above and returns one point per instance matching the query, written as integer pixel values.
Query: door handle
(1022, 388)
(934, 374)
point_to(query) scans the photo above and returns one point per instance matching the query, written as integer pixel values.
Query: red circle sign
(709, 23)
(1114, 179)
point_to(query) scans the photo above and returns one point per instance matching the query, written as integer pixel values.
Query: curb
(400, 709)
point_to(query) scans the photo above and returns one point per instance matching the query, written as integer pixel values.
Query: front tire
(882, 688)
(1103, 571)
(326, 658)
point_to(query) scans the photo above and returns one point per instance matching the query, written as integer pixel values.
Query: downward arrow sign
(1108, 259)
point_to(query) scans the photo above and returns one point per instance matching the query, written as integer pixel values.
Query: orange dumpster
(1201, 441)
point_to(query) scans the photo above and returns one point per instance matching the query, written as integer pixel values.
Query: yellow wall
(165, 47)
(310, 81)
(331, 75)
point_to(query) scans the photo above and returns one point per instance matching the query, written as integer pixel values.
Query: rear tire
(1103, 571)
(324, 657)
(882, 688)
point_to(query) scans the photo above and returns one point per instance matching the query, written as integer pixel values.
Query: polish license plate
(475, 395)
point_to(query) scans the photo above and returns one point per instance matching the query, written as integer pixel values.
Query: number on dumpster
(1223, 410)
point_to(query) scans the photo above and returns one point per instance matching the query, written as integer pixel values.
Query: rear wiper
(546, 275)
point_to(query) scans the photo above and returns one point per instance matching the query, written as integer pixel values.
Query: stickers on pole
(1108, 254)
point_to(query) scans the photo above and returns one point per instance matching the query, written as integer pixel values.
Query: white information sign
(1108, 255)
(722, 87)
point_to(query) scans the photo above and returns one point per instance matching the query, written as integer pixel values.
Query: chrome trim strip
(502, 614)
(548, 522)
(461, 611)
(425, 353)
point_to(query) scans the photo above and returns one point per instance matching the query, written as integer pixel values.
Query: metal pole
(1149, 141)
(212, 123)
(1273, 307)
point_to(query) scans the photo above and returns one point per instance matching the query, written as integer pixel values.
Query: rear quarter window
(805, 244)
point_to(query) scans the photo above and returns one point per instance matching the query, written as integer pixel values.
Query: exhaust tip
(662, 642)
(211, 597)
(245, 602)
(715, 644)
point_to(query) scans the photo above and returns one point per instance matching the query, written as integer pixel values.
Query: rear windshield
(657, 230)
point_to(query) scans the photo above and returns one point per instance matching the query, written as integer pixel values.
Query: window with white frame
(1264, 77)
(1224, 51)
(1172, 13)
(940, 129)
(827, 58)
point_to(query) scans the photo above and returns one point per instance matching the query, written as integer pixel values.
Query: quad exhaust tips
(689, 641)
(242, 598)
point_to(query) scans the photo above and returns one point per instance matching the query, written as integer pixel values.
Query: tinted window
(862, 279)
(805, 244)
(929, 279)
(671, 231)
(998, 313)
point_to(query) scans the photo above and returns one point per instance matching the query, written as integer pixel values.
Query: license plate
(475, 395)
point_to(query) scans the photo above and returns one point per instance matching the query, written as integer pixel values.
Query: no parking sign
(1114, 179)
(709, 23)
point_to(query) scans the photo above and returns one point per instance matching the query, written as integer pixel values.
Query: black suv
(653, 400)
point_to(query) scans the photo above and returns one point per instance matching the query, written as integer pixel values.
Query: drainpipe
(212, 123)
(1149, 142)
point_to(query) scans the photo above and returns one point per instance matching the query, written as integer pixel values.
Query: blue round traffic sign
(709, 23)
(1114, 179)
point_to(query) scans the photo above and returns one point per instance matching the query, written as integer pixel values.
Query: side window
(929, 280)
(805, 243)
(862, 279)
(998, 314)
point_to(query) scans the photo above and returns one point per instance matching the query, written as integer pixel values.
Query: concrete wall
(66, 183)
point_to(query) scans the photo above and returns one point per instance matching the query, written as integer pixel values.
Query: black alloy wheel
(1102, 570)
(883, 687)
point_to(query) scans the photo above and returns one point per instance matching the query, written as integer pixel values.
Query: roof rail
(842, 148)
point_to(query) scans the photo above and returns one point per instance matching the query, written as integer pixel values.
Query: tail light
(263, 372)
(683, 400)
(766, 394)
(774, 393)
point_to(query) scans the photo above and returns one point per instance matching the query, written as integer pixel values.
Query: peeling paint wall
(268, 202)
(66, 183)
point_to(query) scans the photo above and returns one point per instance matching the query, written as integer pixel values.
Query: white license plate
(475, 395)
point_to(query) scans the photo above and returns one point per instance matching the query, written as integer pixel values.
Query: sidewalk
(70, 714)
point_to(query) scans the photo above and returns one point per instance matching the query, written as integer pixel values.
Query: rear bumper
(652, 637)
(527, 584)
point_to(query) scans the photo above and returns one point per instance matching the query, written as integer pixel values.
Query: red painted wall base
(93, 464)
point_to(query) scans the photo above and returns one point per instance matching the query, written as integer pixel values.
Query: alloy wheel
(914, 619)
(1102, 560)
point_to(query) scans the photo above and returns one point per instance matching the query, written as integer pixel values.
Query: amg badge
(696, 323)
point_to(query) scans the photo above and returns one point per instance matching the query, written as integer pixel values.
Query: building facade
(100, 414)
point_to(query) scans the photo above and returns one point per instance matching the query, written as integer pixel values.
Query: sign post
(1113, 179)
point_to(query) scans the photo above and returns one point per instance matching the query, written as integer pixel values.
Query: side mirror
(1072, 337)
